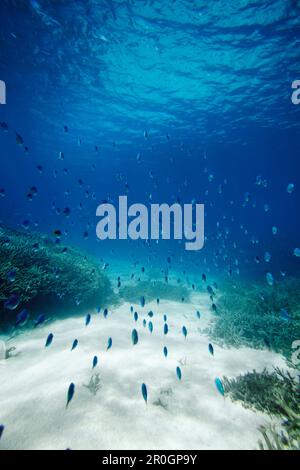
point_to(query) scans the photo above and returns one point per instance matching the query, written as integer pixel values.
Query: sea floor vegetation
(276, 393)
(37, 271)
(259, 316)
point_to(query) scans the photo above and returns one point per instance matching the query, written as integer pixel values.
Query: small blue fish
(109, 344)
(135, 337)
(210, 290)
(166, 329)
(184, 331)
(88, 319)
(2, 427)
(165, 318)
(144, 323)
(12, 302)
(40, 320)
(71, 392)
(145, 393)
(297, 252)
(95, 362)
(220, 387)
(198, 315)
(22, 318)
(291, 188)
(211, 349)
(105, 313)
(142, 302)
(49, 340)
(74, 345)
(165, 351)
(135, 316)
(179, 373)
(150, 326)
(151, 314)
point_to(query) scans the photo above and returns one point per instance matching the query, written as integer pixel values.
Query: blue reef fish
(71, 392)
(4, 126)
(49, 340)
(105, 313)
(109, 344)
(135, 316)
(19, 139)
(184, 331)
(40, 320)
(74, 345)
(204, 278)
(211, 349)
(2, 427)
(135, 337)
(214, 308)
(178, 373)
(22, 318)
(270, 279)
(268, 257)
(198, 314)
(165, 318)
(166, 329)
(220, 387)
(210, 290)
(145, 393)
(95, 362)
(165, 350)
(291, 188)
(151, 314)
(142, 302)
(12, 302)
(88, 319)
(150, 326)
(144, 323)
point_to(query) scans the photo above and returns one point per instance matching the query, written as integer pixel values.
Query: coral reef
(259, 316)
(38, 271)
(276, 393)
(152, 290)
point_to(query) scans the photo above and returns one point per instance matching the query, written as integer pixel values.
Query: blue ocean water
(164, 101)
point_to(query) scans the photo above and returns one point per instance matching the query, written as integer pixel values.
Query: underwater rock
(47, 274)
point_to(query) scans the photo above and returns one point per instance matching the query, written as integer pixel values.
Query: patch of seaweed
(252, 316)
(277, 394)
(46, 272)
(152, 290)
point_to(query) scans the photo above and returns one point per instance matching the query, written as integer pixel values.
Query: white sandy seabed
(189, 415)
